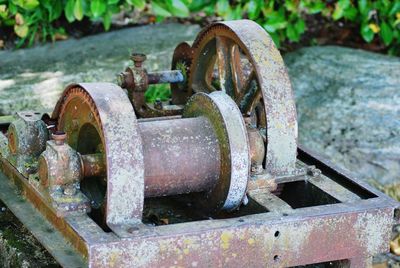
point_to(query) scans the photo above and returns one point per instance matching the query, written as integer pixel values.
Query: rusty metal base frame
(315, 218)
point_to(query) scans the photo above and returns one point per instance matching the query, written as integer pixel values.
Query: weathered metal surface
(256, 241)
(219, 43)
(60, 172)
(352, 231)
(136, 80)
(27, 136)
(166, 77)
(173, 151)
(180, 156)
(111, 113)
(93, 165)
(230, 129)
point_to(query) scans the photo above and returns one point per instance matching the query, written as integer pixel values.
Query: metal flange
(230, 129)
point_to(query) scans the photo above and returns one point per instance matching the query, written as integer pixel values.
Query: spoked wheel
(239, 58)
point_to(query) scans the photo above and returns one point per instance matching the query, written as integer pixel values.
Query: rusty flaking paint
(252, 243)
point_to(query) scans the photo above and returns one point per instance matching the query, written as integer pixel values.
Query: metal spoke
(236, 67)
(250, 94)
(225, 72)
(209, 74)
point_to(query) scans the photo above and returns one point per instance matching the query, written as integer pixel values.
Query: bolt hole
(28, 115)
(285, 214)
(276, 258)
(241, 220)
(277, 233)
(132, 229)
(37, 113)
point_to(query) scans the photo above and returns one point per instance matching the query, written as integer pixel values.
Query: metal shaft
(180, 156)
(163, 77)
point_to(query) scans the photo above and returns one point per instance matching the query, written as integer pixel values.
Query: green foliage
(160, 92)
(284, 20)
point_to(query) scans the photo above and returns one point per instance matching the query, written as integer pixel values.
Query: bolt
(138, 59)
(313, 171)
(59, 137)
(158, 104)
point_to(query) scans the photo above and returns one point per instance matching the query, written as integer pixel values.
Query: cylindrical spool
(180, 156)
(209, 152)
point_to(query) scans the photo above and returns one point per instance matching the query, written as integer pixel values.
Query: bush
(284, 20)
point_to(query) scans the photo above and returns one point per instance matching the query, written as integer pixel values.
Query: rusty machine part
(213, 178)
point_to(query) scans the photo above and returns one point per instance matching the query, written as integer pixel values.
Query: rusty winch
(213, 177)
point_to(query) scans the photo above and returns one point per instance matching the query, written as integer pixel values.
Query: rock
(34, 78)
(348, 104)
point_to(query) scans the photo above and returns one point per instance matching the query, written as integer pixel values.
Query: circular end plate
(229, 127)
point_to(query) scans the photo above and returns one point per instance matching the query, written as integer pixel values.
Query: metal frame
(352, 231)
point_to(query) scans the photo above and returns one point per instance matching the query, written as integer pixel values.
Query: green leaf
(13, 8)
(366, 33)
(291, 5)
(159, 11)
(234, 14)
(386, 33)
(54, 8)
(139, 4)
(276, 20)
(112, 2)
(69, 10)
(21, 30)
(196, 6)
(177, 8)
(395, 8)
(78, 9)
(98, 7)
(350, 13)
(300, 26)
(107, 21)
(254, 8)
(337, 13)
(315, 7)
(363, 7)
(340, 8)
(27, 4)
(223, 7)
(292, 33)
